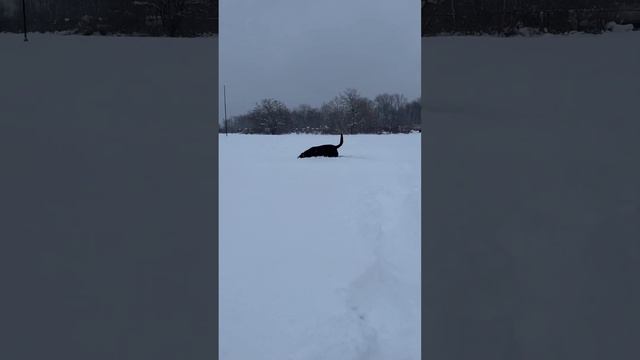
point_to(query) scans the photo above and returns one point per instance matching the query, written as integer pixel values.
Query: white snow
(533, 185)
(107, 195)
(319, 257)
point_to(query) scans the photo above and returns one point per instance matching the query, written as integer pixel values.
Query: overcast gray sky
(308, 51)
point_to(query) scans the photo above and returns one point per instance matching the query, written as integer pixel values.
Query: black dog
(322, 150)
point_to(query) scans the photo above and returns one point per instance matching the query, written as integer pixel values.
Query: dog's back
(322, 150)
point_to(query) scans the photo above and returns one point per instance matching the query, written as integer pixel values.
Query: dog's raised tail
(340, 144)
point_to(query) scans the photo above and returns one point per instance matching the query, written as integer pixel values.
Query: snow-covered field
(107, 196)
(532, 197)
(319, 257)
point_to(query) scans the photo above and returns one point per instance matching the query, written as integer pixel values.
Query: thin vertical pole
(24, 19)
(226, 133)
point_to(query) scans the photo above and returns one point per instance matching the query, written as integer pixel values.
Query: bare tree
(388, 110)
(348, 112)
(174, 12)
(359, 111)
(272, 116)
(306, 119)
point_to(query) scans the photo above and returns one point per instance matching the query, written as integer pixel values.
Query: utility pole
(226, 133)
(24, 19)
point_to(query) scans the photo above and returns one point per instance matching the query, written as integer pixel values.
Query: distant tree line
(507, 17)
(183, 18)
(348, 113)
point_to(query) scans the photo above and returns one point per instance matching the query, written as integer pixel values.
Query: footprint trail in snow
(381, 318)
